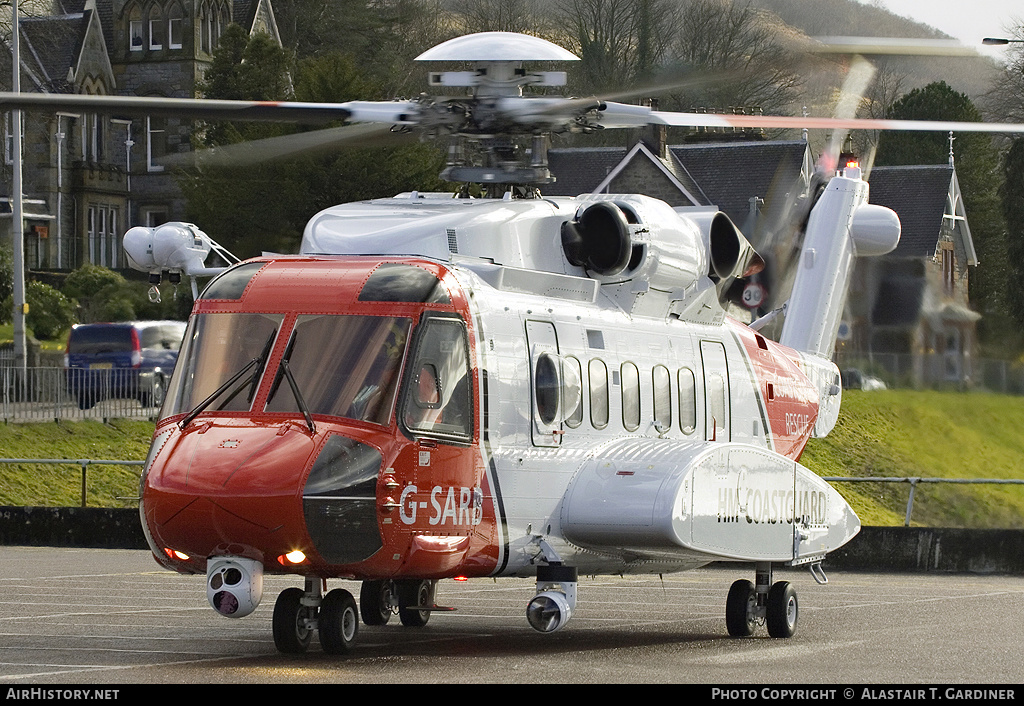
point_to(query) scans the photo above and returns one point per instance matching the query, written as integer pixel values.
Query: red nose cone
(229, 486)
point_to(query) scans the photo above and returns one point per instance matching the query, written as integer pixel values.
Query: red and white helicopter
(511, 386)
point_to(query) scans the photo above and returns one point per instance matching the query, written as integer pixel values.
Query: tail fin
(842, 225)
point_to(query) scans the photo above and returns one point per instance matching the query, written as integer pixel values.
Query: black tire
(782, 610)
(291, 636)
(375, 601)
(739, 614)
(338, 622)
(412, 595)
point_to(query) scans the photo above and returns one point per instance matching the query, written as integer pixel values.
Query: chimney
(655, 137)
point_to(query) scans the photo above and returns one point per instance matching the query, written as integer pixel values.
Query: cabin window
(598, 377)
(662, 384)
(546, 388)
(687, 401)
(438, 396)
(630, 396)
(574, 396)
(716, 407)
(344, 366)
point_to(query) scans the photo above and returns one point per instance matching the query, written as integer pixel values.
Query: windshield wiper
(206, 403)
(258, 362)
(298, 395)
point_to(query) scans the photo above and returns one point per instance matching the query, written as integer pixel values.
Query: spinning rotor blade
(201, 108)
(294, 145)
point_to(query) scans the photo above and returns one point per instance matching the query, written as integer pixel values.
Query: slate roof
(731, 173)
(726, 174)
(51, 45)
(579, 170)
(918, 196)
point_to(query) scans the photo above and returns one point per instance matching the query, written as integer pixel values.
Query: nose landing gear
(298, 613)
(772, 604)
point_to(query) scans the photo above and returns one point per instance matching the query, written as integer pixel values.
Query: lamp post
(1000, 41)
(17, 217)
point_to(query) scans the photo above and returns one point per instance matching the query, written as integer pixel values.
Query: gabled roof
(578, 170)
(731, 173)
(919, 195)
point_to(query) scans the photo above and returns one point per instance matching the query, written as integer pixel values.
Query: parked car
(854, 379)
(122, 360)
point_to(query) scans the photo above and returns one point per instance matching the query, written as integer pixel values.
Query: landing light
(174, 554)
(295, 557)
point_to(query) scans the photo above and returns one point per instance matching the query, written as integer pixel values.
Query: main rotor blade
(293, 145)
(890, 46)
(207, 109)
(624, 115)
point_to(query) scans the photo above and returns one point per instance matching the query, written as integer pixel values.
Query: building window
(948, 273)
(174, 30)
(156, 142)
(135, 30)
(156, 29)
(103, 234)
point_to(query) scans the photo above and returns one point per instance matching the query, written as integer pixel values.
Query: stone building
(88, 178)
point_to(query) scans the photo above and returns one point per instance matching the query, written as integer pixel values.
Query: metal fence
(914, 481)
(940, 372)
(49, 393)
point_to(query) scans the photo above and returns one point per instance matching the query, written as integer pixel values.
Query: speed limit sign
(753, 295)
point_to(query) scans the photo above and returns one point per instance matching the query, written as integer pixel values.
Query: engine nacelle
(234, 585)
(619, 238)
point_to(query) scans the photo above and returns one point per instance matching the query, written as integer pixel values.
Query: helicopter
(514, 386)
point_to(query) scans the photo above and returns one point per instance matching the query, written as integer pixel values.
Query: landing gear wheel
(412, 596)
(291, 629)
(741, 609)
(782, 610)
(376, 601)
(338, 622)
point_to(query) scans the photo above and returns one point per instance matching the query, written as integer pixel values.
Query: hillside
(851, 18)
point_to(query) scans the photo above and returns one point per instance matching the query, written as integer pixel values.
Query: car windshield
(216, 348)
(345, 366)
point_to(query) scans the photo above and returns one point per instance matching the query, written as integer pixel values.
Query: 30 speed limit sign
(754, 295)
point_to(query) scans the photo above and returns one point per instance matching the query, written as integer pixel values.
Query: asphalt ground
(114, 617)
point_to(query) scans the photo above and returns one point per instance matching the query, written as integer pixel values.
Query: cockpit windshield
(345, 366)
(217, 348)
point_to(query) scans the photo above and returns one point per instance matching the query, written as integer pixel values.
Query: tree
(1013, 210)
(264, 206)
(737, 50)
(978, 171)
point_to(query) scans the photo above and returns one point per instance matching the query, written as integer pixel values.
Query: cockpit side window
(438, 392)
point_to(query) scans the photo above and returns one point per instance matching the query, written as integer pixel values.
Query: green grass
(891, 433)
(927, 434)
(61, 485)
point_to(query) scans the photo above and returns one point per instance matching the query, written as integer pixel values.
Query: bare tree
(1005, 100)
(738, 49)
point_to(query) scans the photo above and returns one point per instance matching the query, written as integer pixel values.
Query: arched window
(156, 27)
(136, 31)
(174, 26)
(205, 31)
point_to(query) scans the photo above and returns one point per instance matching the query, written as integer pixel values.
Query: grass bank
(889, 433)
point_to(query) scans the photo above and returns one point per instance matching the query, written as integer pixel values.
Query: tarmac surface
(99, 616)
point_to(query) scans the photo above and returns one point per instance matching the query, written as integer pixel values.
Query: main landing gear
(772, 604)
(299, 613)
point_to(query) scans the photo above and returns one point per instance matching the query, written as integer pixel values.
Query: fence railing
(914, 481)
(84, 463)
(938, 371)
(49, 393)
